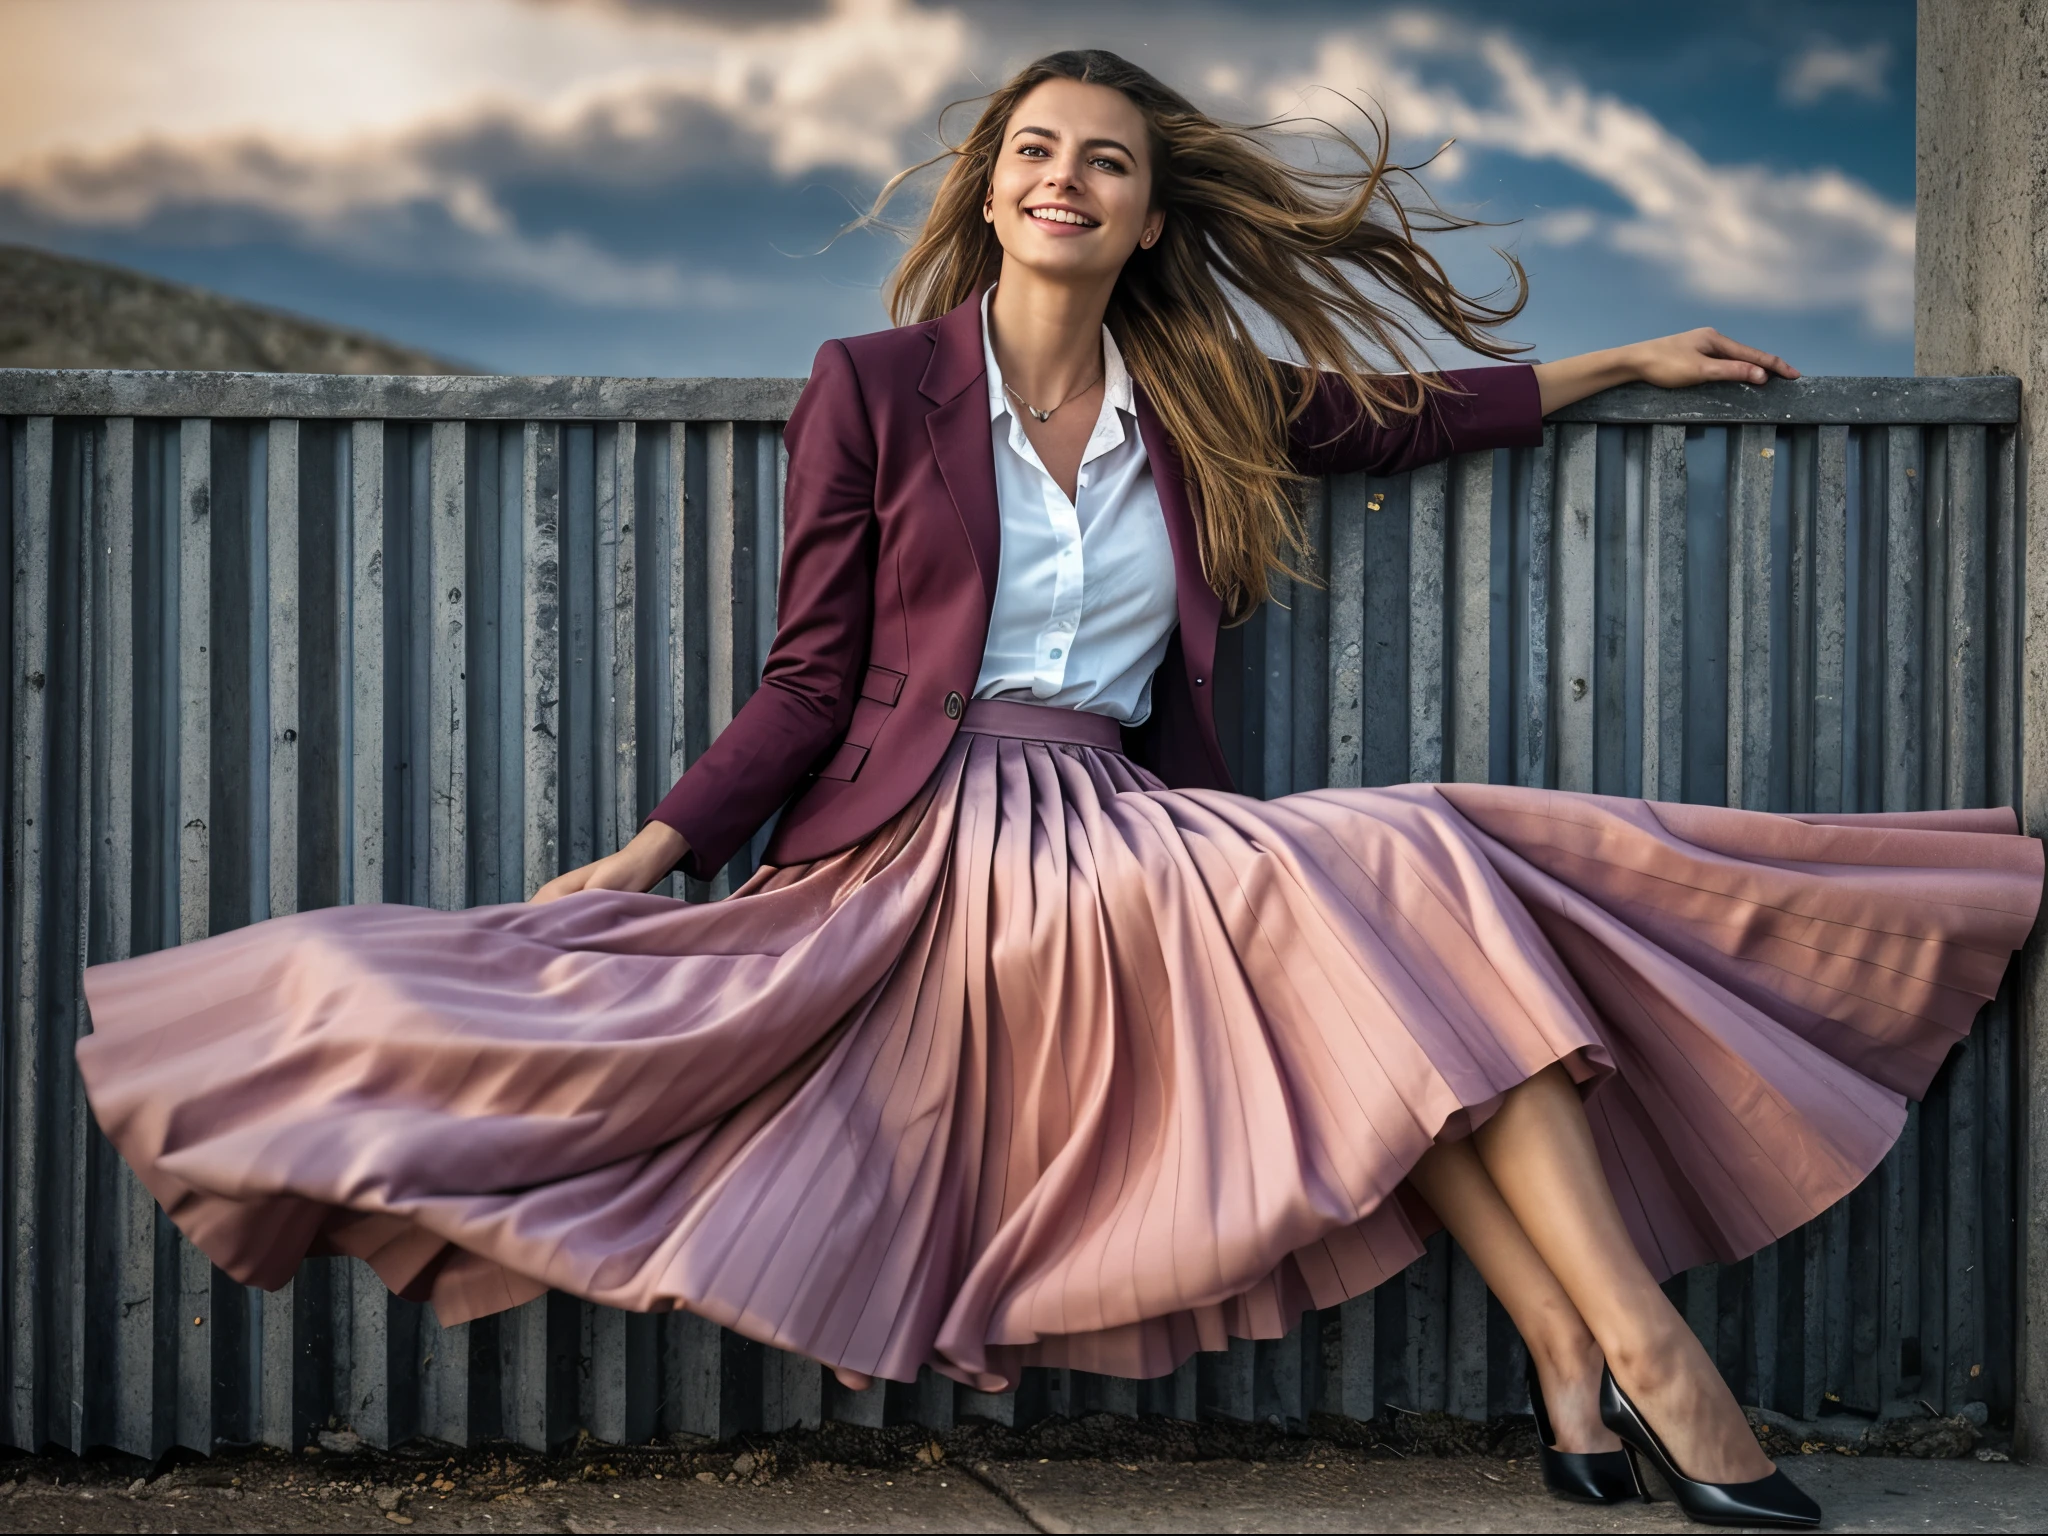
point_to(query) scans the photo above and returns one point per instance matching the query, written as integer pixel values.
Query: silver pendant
(1041, 415)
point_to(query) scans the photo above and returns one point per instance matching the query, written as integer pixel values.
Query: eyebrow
(1052, 133)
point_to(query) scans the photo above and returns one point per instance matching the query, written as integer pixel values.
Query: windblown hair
(1243, 226)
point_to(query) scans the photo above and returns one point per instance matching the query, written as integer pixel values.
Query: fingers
(1766, 363)
(565, 884)
(1744, 373)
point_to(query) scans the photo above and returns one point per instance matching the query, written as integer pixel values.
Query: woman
(1012, 1053)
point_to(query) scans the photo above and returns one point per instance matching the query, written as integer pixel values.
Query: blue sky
(642, 187)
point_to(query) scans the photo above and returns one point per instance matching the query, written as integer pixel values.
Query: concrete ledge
(1981, 400)
(1987, 400)
(389, 396)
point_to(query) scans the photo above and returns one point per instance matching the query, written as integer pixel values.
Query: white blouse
(1085, 594)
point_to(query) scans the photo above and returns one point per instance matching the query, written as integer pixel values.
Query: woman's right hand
(655, 850)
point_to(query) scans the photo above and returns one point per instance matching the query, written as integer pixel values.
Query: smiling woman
(1305, 246)
(1032, 1043)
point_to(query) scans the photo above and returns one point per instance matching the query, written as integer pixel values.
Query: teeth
(1060, 216)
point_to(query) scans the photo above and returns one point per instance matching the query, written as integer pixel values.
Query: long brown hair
(1243, 226)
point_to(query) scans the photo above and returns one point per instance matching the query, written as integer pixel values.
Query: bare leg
(1539, 1150)
(853, 1381)
(1566, 1355)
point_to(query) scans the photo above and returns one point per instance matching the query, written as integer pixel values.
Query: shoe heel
(1597, 1477)
(1769, 1501)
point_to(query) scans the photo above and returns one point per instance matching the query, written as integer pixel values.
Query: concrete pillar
(1980, 305)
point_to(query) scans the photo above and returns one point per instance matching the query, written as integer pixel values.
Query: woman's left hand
(1702, 355)
(1670, 362)
(639, 866)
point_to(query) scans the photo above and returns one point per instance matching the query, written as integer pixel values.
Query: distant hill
(59, 312)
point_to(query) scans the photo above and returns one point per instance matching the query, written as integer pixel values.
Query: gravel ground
(1415, 1472)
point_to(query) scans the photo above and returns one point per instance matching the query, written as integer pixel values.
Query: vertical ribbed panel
(29, 1348)
(726, 587)
(285, 1345)
(1575, 550)
(1468, 621)
(1905, 555)
(448, 695)
(126, 1308)
(1350, 503)
(540, 641)
(1751, 460)
(1532, 589)
(365, 612)
(1429, 580)
(1825, 589)
(266, 666)
(1663, 603)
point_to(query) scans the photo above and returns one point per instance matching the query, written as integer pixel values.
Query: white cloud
(360, 125)
(1740, 233)
(1565, 226)
(391, 131)
(1825, 67)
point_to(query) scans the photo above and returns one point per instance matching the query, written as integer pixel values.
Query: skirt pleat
(1060, 1067)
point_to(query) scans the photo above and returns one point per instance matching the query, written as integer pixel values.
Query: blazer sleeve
(1495, 407)
(824, 603)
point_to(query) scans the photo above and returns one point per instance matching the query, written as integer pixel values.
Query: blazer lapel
(959, 430)
(1201, 610)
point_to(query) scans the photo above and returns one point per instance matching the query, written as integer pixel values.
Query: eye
(1033, 150)
(1108, 163)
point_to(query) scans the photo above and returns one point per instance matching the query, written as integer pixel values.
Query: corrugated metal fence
(280, 642)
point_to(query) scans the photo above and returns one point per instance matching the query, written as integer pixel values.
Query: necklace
(1047, 414)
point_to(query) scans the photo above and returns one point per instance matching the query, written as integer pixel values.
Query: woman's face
(1071, 196)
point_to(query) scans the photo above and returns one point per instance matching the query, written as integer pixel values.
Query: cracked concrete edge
(991, 1478)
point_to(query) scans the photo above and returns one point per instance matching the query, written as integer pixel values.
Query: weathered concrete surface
(1826, 399)
(393, 397)
(1342, 1490)
(1981, 306)
(1473, 1494)
(814, 1499)
(102, 392)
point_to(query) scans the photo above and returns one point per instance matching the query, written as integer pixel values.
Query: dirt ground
(1101, 1474)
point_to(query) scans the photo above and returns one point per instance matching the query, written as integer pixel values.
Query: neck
(1047, 336)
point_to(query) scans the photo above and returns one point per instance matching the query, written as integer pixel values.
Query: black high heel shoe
(1775, 1500)
(1591, 1477)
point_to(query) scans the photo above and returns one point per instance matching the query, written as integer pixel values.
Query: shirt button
(1198, 682)
(954, 705)
(1054, 653)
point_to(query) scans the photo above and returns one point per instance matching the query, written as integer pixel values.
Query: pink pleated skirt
(1061, 1066)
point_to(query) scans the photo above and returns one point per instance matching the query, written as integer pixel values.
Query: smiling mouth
(1063, 216)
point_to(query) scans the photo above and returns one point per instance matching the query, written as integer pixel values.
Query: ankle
(1645, 1360)
(1566, 1357)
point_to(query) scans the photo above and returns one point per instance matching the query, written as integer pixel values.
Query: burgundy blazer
(891, 546)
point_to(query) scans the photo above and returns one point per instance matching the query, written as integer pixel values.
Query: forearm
(1699, 356)
(1493, 407)
(1571, 379)
(750, 769)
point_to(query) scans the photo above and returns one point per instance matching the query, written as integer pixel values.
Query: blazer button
(954, 705)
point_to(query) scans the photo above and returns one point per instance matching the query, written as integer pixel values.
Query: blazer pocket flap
(882, 685)
(866, 723)
(845, 763)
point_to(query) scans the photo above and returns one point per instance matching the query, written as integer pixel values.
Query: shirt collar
(1116, 378)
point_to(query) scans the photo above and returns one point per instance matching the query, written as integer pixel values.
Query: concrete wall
(294, 641)
(1981, 306)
